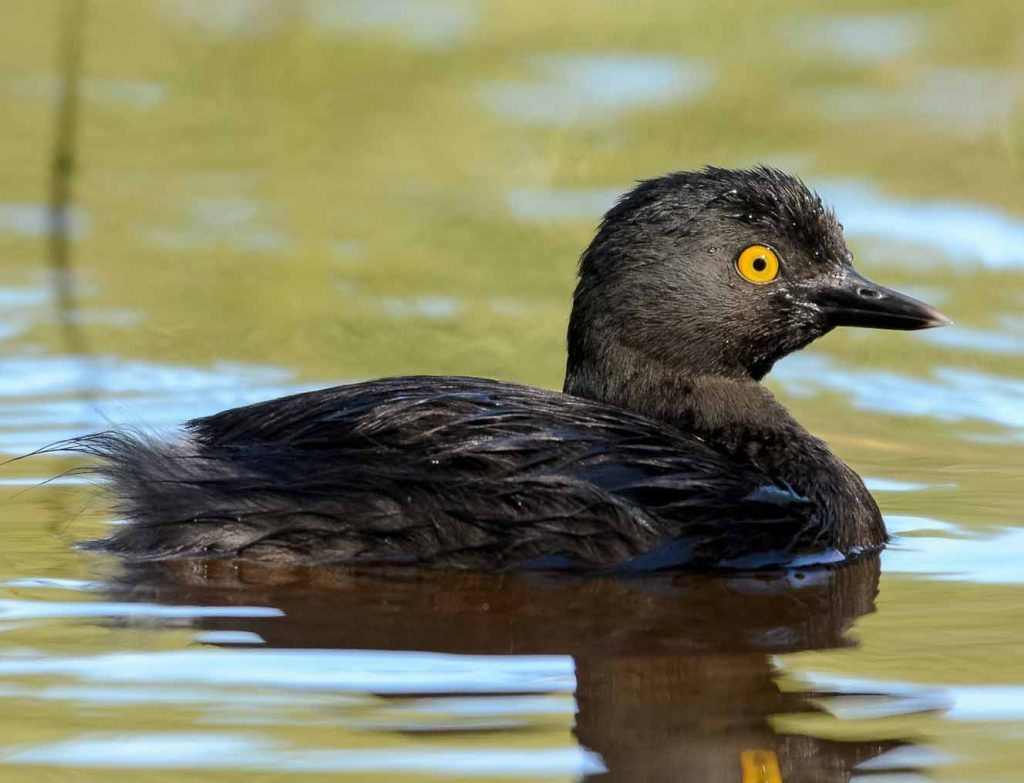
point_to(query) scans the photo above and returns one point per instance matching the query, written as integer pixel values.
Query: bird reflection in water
(674, 674)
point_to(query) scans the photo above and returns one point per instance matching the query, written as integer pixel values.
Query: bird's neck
(717, 408)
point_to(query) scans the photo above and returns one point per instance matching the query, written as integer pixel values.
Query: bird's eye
(758, 264)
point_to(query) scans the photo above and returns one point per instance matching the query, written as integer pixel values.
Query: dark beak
(855, 301)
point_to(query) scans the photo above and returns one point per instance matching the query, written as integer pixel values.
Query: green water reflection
(274, 194)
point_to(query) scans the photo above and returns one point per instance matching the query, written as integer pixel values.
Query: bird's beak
(853, 300)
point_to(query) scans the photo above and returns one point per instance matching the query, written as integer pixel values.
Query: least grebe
(662, 451)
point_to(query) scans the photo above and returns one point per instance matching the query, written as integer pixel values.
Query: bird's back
(445, 471)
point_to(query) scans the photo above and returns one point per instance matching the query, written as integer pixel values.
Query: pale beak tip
(939, 319)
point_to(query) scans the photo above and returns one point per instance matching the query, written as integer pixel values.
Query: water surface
(274, 196)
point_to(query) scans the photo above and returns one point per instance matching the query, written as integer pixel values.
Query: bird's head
(722, 272)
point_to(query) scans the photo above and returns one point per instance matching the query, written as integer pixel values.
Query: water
(274, 196)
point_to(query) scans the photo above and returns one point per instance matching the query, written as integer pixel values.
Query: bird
(662, 451)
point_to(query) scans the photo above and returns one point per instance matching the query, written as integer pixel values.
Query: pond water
(270, 196)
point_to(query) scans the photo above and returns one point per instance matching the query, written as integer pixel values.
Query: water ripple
(196, 751)
(594, 87)
(360, 671)
(957, 231)
(951, 394)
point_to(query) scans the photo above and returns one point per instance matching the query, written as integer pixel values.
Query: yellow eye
(758, 264)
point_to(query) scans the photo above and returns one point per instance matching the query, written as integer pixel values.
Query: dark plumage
(663, 450)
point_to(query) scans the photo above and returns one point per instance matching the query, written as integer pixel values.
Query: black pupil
(760, 264)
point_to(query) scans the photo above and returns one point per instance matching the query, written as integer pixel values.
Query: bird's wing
(449, 471)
